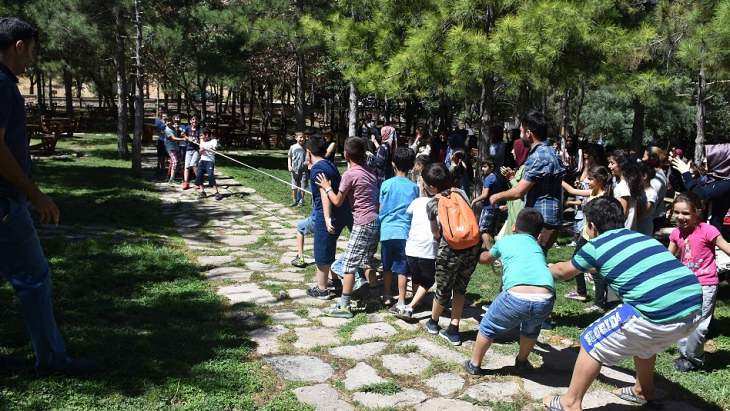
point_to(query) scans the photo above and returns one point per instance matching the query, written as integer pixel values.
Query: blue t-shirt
(12, 119)
(160, 126)
(523, 262)
(643, 273)
(396, 194)
(339, 214)
(495, 185)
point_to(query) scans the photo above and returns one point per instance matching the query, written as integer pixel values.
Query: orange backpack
(458, 222)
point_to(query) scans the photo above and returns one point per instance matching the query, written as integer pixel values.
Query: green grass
(385, 388)
(136, 304)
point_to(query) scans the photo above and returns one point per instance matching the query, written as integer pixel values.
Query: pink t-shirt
(697, 251)
(360, 186)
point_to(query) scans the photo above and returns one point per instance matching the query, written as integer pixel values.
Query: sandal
(628, 394)
(554, 404)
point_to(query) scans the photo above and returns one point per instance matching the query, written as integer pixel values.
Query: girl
(627, 189)
(694, 242)
(599, 183)
(645, 224)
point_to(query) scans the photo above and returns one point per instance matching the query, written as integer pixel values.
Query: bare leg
(323, 272)
(300, 244)
(418, 296)
(348, 283)
(584, 373)
(457, 309)
(481, 346)
(644, 386)
(186, 175)
(402, 285)
(526, 346)
(436, 310)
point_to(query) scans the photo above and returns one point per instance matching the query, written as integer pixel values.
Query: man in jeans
(22, 262)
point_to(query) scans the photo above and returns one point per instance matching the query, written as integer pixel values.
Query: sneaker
(339, 312)
(388, 300)
(432, 327)
(185, 185)
(315, 292)
(218, 197)
(171, 181)
(299, 262)
(452, 336)
(593, 309)
(404, 312)
(472, 369)
(73, 367)
(523, 366)
(573, 295)
(682, 364)
(202, 195)
(294, 204)
(485, 307)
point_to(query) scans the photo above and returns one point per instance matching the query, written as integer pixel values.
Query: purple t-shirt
(360, 186)
(697, 251)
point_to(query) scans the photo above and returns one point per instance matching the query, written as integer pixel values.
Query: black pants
(580, 280)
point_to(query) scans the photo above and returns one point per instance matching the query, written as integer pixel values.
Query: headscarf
(718, 160)
(521, 152)
(386, 134)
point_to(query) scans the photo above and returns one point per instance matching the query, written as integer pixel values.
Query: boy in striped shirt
(662, 302)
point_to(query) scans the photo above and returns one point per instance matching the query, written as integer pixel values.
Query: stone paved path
(243, 245)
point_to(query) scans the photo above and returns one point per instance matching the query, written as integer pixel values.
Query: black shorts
(423, 271)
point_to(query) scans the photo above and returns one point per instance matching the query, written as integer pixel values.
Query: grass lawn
(707, 389)
(132, 301)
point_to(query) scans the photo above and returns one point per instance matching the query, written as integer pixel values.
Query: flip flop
(628, 394)
(554, 404)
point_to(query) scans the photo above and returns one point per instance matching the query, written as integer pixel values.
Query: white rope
(252, 168)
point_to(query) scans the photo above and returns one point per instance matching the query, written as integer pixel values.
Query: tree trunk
(50, 95)
(122, 89)
(700, 117)
(565, 114)
(352, 112)
(637, 131)
(252, 102)
(299, 93)
(39, 93)
(139, 97)
(79, 91)
(68, 91)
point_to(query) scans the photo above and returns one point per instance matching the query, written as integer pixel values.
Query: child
(298, 169)
(171, 139)
(528, 291)
(453, 267)
(599, 184)
(192, 154)
(420, 251)
(694, 242)
(304, 227)
(662, 303)
(328, 219)
(161, 125)
(396, 195)
(628, 189)
(207, 165)
(645, 225)
(491, 215)
(359, 186)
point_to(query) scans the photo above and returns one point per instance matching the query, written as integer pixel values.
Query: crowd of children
(428, 235)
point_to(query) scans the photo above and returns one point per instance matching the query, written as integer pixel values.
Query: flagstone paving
(244, 245)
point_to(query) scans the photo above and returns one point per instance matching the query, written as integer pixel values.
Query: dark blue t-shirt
(495, 185)
(338, 214)
(160, 126)
(12, 119)
(193, 135)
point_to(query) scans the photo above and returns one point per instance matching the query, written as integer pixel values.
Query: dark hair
(632, 174)
(13, 29)
(535, 121)
(605, 213)
(691, 199)
(317, 146)
(529, 221)
(648, 172)
(403, 158)
(602, 174)
(423, 160)
(488, 162)
(437, 175)
(355, 148)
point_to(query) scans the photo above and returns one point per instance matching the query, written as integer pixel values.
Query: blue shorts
(325, 243)
(508, 312)
(393, 254)
(305, 226)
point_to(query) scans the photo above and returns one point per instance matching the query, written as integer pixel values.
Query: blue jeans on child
(508, 312)
(205, 167)
(24, 266)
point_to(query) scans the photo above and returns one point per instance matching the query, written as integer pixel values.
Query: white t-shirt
(205, 154)
(646, 222)
(622, 190)
(420, 242)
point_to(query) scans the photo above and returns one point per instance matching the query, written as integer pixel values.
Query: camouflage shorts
(453, 271)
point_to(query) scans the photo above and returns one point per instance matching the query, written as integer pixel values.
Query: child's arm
(483, 196)
(326, 210)
(574, 191)
(624, 205)
(486, 257)
(326, 187)
(564, 270)
(288, 161)
(722, 244)
(673, 248)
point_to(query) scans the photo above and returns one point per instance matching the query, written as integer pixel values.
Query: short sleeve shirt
(396, 194)
(697, 251)
(160, 126)
(643, 273)
(326, 168)
(360, 186)
(298, 157)
(12, 120)
(495, 185)
(194, 135)
(622, 190)
(523, 262)
(543, 167)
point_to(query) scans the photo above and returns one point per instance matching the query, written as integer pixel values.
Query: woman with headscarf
(380, 162)
(520, 152)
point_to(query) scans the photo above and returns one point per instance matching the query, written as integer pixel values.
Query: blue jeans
(508, 312)
(205, 167)
(24, 266)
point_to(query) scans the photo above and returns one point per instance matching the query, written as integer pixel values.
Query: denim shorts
(393, 254)
(508, 312)
(305, 226)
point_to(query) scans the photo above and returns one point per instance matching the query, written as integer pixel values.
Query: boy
(207, 165)
(297, 165)
(192, 152)
(328, 219)
(490, 217)
(662, 301)
(396, 194)
(359, 186)
(453, 267)
(528, 296)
